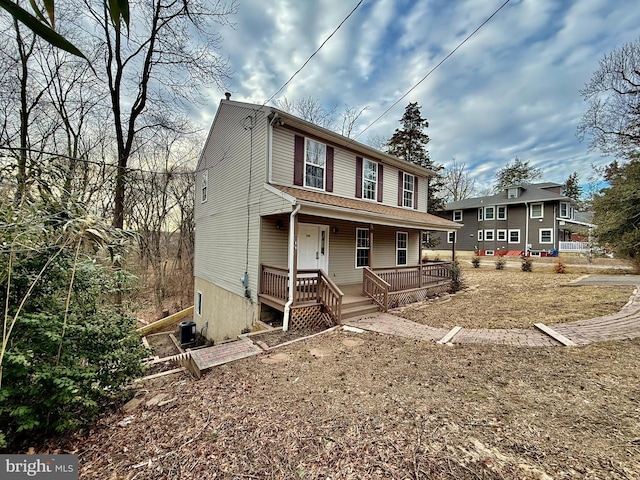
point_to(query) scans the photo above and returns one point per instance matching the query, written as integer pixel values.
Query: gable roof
(334, 206)
(287, 120)
(537, 192)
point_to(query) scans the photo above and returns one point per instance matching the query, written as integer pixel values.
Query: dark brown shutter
(400, 185)
(329, 186)
(379, 182)
(415, 192)
(358, 177)
(298, 161)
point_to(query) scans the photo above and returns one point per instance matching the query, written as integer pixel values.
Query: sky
(512, 90)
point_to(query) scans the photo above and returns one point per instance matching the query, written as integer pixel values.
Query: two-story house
(522, 218)
(290, 215)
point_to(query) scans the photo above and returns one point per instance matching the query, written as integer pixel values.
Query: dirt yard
(367, 406)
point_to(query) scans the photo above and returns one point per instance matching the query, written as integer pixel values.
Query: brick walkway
(623, 325)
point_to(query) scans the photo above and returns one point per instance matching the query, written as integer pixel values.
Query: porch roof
(334, 206)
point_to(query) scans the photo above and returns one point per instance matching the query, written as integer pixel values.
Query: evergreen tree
(571, 187)
(410, 143)
(516, 173)
(617, 211)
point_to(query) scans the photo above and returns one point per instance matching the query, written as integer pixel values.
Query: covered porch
(324, 258)
(319, 301)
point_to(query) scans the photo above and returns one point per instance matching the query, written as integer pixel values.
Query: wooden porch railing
(405, 278)
(375, 288)
(311, 286)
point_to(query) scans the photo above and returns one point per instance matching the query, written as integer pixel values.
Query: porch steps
(358, 308)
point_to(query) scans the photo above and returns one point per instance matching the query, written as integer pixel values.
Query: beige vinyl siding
(344, 174)
(274, 243)
(221, 222)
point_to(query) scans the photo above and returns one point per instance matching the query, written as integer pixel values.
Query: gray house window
(407, 190)
(537, 210)
(457, 215)
(501, 212)
(546, 235)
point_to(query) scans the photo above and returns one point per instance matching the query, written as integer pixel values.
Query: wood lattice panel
(304, 318)
(400, 299)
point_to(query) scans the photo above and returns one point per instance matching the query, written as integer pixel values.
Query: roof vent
(228, 95)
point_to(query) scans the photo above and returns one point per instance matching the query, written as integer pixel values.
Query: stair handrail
(376, 288)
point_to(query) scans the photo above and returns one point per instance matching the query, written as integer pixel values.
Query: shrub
(457, 282)
(68, 349)
(560, 266)
(475, 261)
(500, 263)
(526, 263)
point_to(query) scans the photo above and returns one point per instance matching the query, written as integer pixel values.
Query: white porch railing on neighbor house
(574, 246)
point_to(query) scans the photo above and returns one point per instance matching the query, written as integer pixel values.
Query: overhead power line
(314, 53)
(434, 68)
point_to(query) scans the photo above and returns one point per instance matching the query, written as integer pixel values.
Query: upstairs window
(501, 213)
(512, 193)
(489, 213)
(480, 216)
(369, 180)
(408, 187)
(457, 215)
(565, 210)
(537, 210)
(315, 157)
(203, 185)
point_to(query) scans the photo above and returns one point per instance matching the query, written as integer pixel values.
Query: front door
(313, 247)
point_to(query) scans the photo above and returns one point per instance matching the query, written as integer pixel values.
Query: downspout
(555, 226)
(526, 229)
(270, 152)
(292, 239)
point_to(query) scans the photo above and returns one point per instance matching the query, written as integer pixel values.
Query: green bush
(457, 282)
(69, 350)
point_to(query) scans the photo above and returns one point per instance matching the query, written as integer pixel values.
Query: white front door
(313, 247)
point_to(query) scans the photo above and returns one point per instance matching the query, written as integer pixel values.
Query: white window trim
(406, 190)
(368, 247)
(364, 180)
(405, 249)
(504, 235)
(498, 217)
(324, 167)
(512, 193)
(480, 217)
(199, 303)
(459, 217)
(540, 235)
(489, 253)
(517, 230)
(490, 209)
(489, 233)
(541, 210)
(567, 213)
(449, 239)
(204, 185)
(480, 236)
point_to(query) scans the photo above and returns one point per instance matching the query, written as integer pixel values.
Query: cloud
(512, 89)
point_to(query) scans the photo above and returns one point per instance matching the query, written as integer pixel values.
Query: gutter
(270, 152)
(526, 230)
(292, 239)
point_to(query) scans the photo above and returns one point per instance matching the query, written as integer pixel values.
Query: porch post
(293, 265)
(371, 246)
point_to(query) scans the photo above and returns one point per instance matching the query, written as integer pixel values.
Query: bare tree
(613, 118)
(378, 141)
(309, 109)
(170, 53)
(457, 184)
(350, 116)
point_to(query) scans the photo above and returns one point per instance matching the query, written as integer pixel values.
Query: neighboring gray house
(289, 216)
(536, 219)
